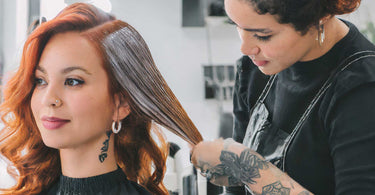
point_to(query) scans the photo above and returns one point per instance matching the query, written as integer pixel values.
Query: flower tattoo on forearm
(238, 169)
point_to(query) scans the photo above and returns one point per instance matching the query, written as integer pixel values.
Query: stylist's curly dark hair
(303, 14)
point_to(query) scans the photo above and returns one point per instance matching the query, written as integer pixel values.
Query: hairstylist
(303, 104)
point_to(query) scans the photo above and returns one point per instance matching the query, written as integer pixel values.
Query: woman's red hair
(35, 166)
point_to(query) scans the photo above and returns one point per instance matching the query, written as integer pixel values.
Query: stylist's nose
(248, 45)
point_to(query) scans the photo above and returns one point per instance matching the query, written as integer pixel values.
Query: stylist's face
(70, 71)
(272, 46)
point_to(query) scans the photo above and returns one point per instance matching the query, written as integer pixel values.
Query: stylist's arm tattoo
(275, 189)
(278, 189)
(238, 169)
(244, 169)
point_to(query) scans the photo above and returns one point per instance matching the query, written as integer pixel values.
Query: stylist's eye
(39, 82)
(229, 21)
(262, 38)
(73, 82)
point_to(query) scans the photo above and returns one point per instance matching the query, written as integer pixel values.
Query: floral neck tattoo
(103, 155)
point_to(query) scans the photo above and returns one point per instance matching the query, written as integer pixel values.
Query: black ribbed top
(95, 184)
(112, 183)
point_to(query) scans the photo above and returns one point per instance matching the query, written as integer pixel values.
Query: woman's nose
(51, 97)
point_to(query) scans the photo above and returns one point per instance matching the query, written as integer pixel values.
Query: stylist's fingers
(197, 151)
(198, 160)
(193, 154)
(207, 152)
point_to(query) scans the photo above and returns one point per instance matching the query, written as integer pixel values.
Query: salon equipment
(181, 178)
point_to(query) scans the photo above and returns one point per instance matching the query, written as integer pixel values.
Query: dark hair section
(303, 14)
(137, 73)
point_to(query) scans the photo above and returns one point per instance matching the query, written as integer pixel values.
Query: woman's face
(272, 46)
(70, 71)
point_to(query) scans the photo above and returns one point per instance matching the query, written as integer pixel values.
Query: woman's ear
(122, 108)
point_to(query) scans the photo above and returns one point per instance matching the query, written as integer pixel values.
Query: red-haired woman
(303, 104)
(78, 112)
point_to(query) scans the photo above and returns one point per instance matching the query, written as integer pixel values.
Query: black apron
(273, 143)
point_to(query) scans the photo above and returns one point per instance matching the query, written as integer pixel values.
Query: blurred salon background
(194, 47)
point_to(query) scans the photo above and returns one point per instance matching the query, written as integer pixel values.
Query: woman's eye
(73, 82)
(262, 38)
(39, 82)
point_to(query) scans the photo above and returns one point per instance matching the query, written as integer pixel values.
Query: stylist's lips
(52, 123)
(260, 62)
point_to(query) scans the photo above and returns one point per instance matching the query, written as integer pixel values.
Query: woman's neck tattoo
(103, 155)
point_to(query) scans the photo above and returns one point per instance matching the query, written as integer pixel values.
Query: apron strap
(266, 90)
(343, 65)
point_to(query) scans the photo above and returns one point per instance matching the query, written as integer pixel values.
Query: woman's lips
(53, 122)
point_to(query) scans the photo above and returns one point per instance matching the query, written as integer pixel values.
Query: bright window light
(105, 5)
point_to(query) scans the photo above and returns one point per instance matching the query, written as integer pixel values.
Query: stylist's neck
(335, 30)
(84, 161)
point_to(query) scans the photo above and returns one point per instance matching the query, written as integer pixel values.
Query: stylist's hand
(225, 162)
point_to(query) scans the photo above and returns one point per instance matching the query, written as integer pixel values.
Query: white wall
(14, 31)
(49, 9)
(1, 27)
(364, 14)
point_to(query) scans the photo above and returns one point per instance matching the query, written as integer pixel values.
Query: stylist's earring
(321, 35)
(114, 129)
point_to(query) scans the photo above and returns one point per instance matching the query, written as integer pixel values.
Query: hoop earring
(114, 129)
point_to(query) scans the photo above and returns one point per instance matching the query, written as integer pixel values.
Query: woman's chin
(56, 144)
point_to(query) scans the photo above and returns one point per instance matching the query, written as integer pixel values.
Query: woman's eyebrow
(72, 68)
(65, 70)
(41, 69)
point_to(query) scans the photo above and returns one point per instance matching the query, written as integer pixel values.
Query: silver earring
(321, 35)
(114, 129)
